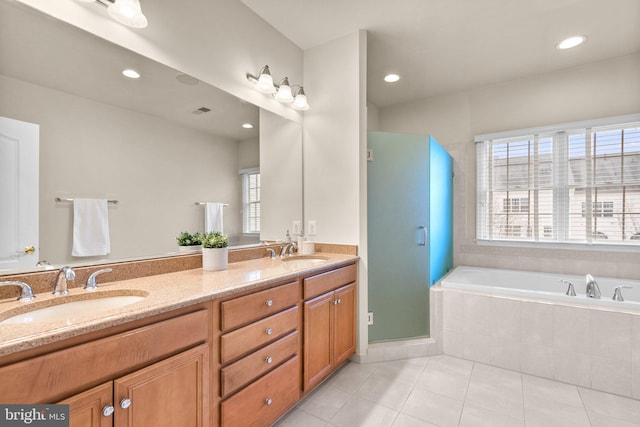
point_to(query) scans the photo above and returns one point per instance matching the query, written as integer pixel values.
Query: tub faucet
(617, 292)
(570, 290)
(26, 293)
(593, 290)
(65, 275)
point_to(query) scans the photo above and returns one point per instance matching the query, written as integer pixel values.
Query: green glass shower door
(398, 223)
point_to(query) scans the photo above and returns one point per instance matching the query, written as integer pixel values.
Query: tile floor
(446, 391)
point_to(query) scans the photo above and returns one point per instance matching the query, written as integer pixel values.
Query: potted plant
(215, 251)
(189, 242)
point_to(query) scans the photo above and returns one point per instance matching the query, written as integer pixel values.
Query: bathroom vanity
(233, 348)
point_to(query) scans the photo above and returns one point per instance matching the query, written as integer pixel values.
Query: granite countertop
(164, 292)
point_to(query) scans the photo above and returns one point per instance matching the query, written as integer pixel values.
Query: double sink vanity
(187, 348)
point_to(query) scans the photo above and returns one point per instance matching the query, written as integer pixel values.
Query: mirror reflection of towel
(90, 227)
(213, 217)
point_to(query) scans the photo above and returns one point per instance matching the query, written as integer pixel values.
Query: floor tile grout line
(466, 392)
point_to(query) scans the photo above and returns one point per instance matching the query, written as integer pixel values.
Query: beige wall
(157, 170)
(601, 89)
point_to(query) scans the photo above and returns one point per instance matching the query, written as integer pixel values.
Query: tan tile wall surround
(43, 281)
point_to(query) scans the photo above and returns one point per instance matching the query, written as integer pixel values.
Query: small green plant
(215, 239)
(186, 239)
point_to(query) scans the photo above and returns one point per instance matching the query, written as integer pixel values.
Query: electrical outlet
(370, 318)
(297, 227)
(312, 228)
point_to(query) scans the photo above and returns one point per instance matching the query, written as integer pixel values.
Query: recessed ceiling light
(570, 42)
(391, 78)
(247, 126)
(132, 74)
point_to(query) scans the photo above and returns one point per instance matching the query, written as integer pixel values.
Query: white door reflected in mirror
(19, 194)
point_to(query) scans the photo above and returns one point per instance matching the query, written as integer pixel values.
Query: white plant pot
(188, 249)
(214, 259)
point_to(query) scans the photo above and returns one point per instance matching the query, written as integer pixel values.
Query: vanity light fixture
(283, 92)
(264, 81)
(570, 42)
(126, 12)
(300, 100)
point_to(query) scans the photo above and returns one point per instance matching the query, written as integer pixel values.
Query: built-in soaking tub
(523, 321)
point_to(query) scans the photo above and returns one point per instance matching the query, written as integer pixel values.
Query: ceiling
(440, 46)
(41, 50)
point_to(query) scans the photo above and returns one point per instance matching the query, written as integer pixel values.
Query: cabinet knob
(268, 359)
(339, 300)
(268, 331)
(268, 401)
(108, 410)
(125, 403)
(268, 303)
(335, 302)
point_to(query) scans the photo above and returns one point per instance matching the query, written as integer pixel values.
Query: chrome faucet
(593, 290)
(91, 284)
(570, 290)
(65, 275)
(271, 252)
(287, 249)
(26, 293)
(617, 292)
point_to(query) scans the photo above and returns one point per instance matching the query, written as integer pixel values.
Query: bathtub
(523, 321)
(543, 286)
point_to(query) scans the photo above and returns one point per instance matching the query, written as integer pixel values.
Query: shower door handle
(422, 232)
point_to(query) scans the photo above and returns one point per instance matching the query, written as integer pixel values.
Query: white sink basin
(73, 309)
(304, 261)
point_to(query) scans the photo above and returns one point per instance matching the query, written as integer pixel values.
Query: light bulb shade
(300, 101)
(265, 81)
(284, 92)
(129, 13)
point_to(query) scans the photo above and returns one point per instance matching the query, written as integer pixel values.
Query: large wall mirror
(157, 144)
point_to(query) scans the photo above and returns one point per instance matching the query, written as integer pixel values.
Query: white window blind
(250, 201)
(578, 183)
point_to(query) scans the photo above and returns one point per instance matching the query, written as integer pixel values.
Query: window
(250, 201)
(535, 185)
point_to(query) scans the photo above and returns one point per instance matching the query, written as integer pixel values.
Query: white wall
(216, 41)
(280, 175)
(249, 153)
(601, 89)
(94, 150)
(332, 139)
(335, 151)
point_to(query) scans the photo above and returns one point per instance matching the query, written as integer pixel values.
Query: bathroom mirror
(157, 144)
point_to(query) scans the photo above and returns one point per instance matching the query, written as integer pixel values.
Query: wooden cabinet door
(171, 393)
(344, 333)
(86, 408)
(318, 319)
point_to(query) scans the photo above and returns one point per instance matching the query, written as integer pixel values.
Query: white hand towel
(213, 217)
(90, 227)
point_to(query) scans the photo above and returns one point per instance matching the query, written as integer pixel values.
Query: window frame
(245, 175)
(489, 234)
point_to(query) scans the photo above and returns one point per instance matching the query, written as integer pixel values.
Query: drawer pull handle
(108, 410)
(125, 403)
(268, 401)
(268, 303)
(336, 302)
(268, 359)
(268, 331)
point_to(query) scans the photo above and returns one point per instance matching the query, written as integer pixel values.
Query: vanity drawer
(262, 402)
(246, 309)
(257, 363)
(321, 283)
(243, 340)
